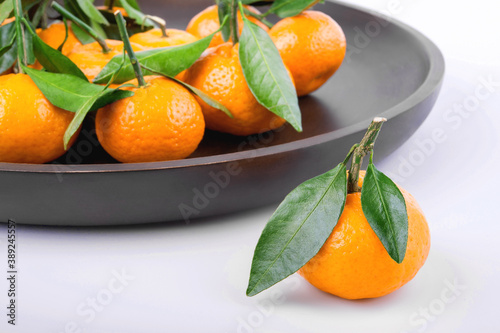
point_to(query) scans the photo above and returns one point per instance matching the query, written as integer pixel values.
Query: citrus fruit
(207, 22)
(8, 20)
(354, 264)
(54, 36)
(154, 38)
(31, 128)
(312, 45)
(161, 122)
(218, 73)
(91, 59)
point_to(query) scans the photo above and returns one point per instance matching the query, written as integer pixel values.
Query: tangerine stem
(364, 147)
(111, 4)
(161, 22)
(22, 58)
(120, 21)
(84, 26)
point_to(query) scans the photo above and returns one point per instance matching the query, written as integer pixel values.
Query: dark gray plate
(391, 70)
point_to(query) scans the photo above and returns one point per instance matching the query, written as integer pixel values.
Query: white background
(192, 278)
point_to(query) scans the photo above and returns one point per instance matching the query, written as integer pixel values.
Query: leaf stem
(22, 58)
(260, 17)
(351, 151)
(66, 35)
(84, 26)
(130, 52)
(364, 147)
(28, 26)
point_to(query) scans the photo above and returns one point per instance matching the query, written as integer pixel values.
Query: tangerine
(353, 262)
(207, 22)
(8, 20)
(312, 45)
(161, 122)
(154, 38)
(31, 128)
(218, 73)
(54, 36)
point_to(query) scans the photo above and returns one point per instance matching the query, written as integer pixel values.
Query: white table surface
(192, 278)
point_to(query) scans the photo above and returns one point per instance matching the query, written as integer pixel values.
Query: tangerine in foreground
(161, 122)
(353, 263)
(32, 129)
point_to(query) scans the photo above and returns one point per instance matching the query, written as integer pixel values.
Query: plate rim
(433, 79)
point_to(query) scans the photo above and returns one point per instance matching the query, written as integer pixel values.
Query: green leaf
(224, 11)
(53, 60)
(98, 28)
(92, 13)
(384, 207)
(74, 94)
(134, 4)
(118, 3)
(8, 59)
(169, 61)
(136, 14)
(287, 8)
(28, 4)
(80, 34)
(266, 74)
(298, 229)
(64, 90)
(80, 115)
(7, 37)
(6, 9)
(204, 97)
(110, 96)
(98, 100)
(8, 49)
(73, 7)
